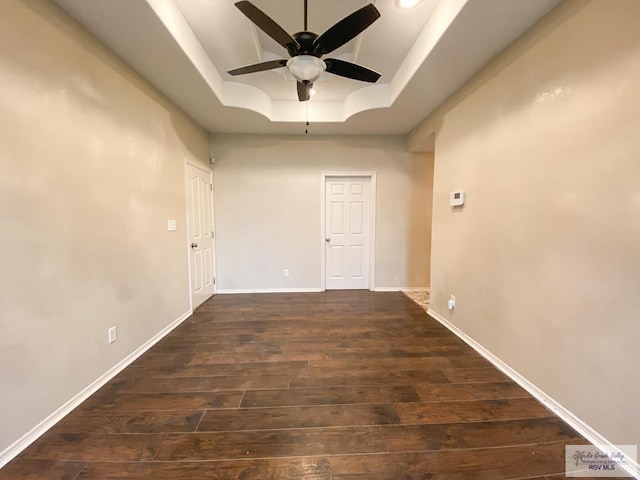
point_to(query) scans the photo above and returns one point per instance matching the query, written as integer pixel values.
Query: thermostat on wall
(456, 199)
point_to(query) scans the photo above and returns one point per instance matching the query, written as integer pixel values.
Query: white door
(347, 236)
(200, 233)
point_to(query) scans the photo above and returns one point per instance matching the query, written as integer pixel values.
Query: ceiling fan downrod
(305, 15)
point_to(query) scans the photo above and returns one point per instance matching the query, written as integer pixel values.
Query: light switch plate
(171, 225)
(113, 334)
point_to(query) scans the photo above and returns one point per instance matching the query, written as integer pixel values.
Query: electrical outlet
(286, 272)
(452, 302)
(113, 335)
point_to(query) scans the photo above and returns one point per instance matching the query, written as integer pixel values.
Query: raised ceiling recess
(422, 55)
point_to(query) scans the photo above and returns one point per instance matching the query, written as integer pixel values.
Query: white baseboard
(36, 432)
(225, 291)
(565, 414)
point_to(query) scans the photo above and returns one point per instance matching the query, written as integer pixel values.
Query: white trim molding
(225, 291)
(36, 432)
(564, 413)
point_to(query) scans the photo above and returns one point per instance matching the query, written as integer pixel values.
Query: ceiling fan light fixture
(306, 68)
(407, 3)
(306, 48)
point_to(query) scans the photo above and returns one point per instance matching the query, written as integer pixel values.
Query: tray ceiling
(185, 47)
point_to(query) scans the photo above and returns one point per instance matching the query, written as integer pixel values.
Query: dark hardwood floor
(335, 385)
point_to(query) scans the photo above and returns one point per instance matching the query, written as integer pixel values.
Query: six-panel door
(347, 239)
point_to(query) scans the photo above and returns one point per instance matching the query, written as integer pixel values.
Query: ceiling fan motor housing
(305, 44)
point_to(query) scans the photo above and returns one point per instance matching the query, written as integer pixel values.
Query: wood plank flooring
(335, 385)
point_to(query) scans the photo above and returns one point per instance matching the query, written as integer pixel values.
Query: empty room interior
(319, 239)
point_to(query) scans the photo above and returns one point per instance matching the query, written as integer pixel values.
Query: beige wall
(91, 168)
(544, 259)
(268, 208)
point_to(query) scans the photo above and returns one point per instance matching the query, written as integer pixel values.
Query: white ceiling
(185, 47)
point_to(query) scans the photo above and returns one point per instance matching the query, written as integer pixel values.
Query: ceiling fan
(305, 48)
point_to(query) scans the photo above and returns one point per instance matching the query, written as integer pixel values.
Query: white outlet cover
(171, 225)
(456, 199)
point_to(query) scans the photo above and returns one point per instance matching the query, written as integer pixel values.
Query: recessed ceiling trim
(292, 111)
(230, 94)
(153, 38)
(241, 95)
(368, 98)
(441, 19)
(173, 20)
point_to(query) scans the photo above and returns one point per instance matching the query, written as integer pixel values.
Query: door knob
(327, 239)
(194, 245)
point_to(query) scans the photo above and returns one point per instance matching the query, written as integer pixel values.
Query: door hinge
(214, 280)
(211, 187)
(213, 235)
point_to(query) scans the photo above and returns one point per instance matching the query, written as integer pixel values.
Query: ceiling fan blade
(304, 91)
(351, 70)
(258, 67)
(267, 25)
(345, 30)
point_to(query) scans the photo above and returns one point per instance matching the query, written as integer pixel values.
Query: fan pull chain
(306, 108)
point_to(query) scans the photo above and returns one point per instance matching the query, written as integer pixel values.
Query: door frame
(208, 171)
(372, 223)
